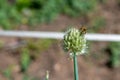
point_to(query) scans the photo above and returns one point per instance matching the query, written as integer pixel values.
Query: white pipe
(58, 35)
(32, 34)
(103, 37)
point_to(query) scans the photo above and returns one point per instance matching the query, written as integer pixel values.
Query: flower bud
(74, 42)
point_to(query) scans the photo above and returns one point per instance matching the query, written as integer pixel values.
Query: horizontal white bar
(58, 35)
(103, 37)
(32, 34)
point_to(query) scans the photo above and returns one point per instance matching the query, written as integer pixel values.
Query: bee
(83, 30)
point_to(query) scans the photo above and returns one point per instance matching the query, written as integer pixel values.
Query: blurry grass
(34, 12)
(8, 73)
(115, 54)
(25, 59)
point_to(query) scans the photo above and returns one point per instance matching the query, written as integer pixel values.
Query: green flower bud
(74, 42)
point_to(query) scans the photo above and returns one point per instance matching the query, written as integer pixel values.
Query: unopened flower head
(74, 41)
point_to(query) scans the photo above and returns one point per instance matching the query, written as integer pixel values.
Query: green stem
(47, 75)
(75, 67)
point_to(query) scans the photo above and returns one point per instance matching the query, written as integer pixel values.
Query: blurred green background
(98, 15)
(32, 12)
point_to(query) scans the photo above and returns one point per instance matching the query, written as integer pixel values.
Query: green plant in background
(79, 7)
(33, 12)
(74, 42)
(21, 4)
(9, 16)
(25, 59)
(7, 73)
(3, 14)
(115, 54)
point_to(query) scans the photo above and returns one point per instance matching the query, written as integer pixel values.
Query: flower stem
(75, 67)
(47, 75)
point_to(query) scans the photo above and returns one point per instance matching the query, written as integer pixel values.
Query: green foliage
(79, 7)
(32, 12)
(9, 16)
(48, 12)
(115, 56)
(7, 73)
(25, 59)
(22, 4)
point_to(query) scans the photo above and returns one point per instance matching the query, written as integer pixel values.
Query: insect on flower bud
(74, 42)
